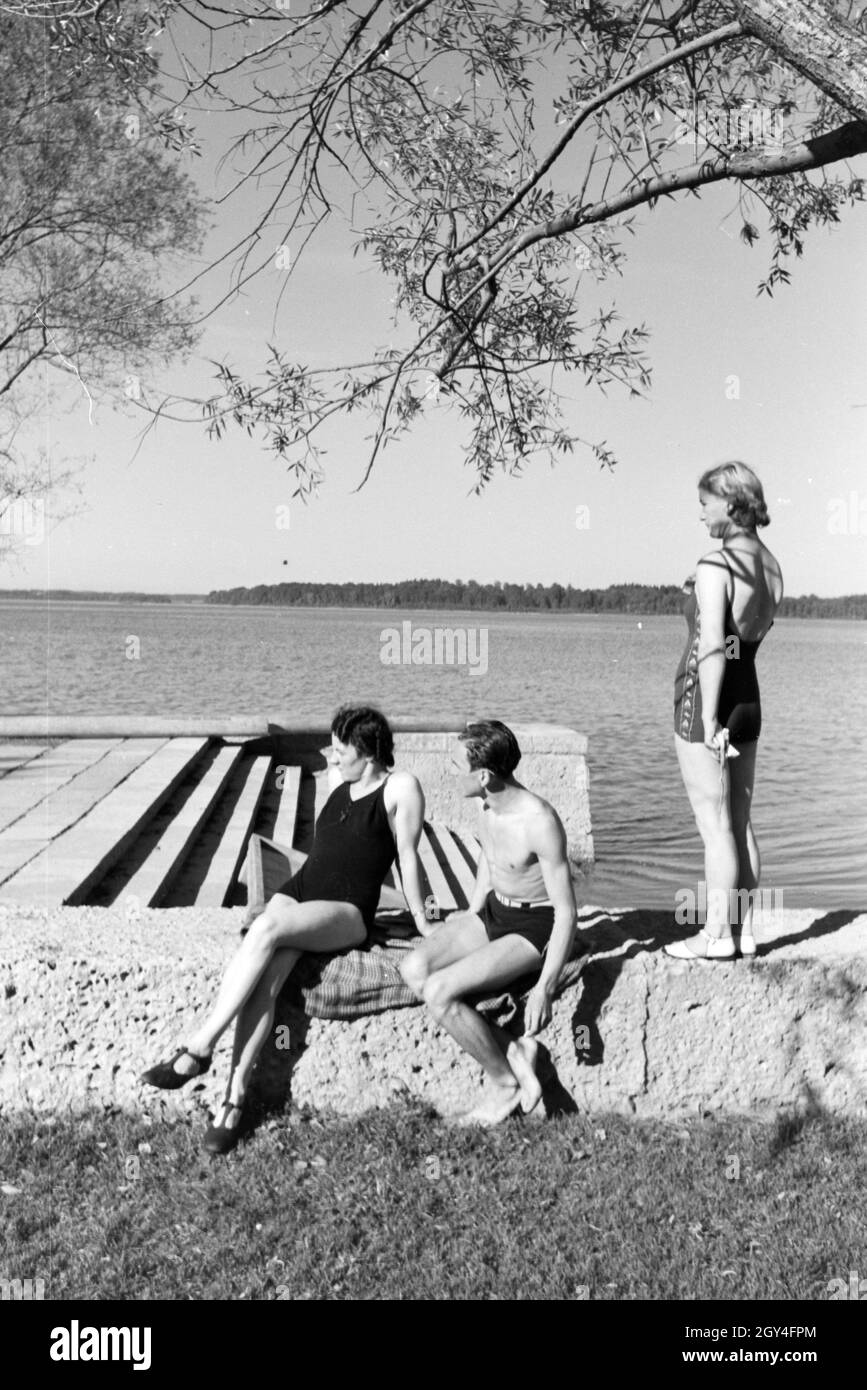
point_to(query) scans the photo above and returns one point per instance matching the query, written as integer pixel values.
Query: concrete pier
(89, 997)
(95, 809)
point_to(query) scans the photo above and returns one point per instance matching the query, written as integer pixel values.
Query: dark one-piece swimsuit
(353, 850)
(739, 709)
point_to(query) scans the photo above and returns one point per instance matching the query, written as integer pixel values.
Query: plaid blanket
(351, 984)
(368, 980)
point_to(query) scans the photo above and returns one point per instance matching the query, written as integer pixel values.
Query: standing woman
(717, 712)
(328, 905)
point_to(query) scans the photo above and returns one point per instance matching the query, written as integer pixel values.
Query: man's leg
(463, 933)
(490, 967)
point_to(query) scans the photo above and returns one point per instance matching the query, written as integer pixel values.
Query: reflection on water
(608, 676)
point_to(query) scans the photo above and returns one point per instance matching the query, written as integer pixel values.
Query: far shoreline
(397, 612)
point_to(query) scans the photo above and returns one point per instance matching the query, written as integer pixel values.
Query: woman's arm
(711, 591)
(408, 821)
(482, 885)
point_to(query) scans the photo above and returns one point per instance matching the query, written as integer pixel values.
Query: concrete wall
(88, 999)
(553, 763)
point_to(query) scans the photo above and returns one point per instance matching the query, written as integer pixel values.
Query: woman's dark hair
(367, 730)
(492, 745)
(742, 490)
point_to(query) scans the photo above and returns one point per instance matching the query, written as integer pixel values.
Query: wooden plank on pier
(156, 874)
(224, 865)
(25, 787)
(456, 861)
(287, 812)
(33, 832)
(439, 884)
(14, 755)
(76, 860)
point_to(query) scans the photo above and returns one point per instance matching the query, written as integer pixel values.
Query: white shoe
(716, 948)
(747, 943)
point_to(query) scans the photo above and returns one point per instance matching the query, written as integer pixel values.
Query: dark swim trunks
(534, 922)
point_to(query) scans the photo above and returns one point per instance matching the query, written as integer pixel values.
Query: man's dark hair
(492, 745)
(367, 730)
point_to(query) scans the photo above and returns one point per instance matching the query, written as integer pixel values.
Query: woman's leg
(710, 801)
(743, 776)
(255, 1022)
(285, 924)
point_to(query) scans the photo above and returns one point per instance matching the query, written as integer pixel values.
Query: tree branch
(634, 79)
(812, 38)
(843, 143)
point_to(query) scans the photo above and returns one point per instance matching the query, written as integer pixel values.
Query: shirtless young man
(521, 918)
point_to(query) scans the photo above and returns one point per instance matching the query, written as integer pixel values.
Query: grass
(396, 1205)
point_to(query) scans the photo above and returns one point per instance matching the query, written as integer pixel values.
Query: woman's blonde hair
(741, 488)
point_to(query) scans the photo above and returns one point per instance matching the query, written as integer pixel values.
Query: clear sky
(779, 383)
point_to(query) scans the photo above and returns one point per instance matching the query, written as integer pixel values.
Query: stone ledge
(87, 1000)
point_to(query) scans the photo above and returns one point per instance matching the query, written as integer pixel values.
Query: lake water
(608, 676)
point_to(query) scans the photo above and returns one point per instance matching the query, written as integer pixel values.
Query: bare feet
(503, 1102)
(521, 1056)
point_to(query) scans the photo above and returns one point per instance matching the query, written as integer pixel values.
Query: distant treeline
(97, 596)
(513, 598)
(91, 595)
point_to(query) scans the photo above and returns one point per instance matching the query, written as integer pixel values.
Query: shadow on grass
(393, 1205)
(789, 1127)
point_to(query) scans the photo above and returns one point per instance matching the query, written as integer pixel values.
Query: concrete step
(33, 832)
(25, 786)
(14, 755)
(223, 868)
(77, 859)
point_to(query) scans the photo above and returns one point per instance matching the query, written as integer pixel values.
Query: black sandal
(220, 1139)
(166, 1078)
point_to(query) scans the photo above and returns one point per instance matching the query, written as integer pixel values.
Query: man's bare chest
(505, 844)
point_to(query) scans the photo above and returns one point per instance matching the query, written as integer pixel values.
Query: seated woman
(329, 905)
